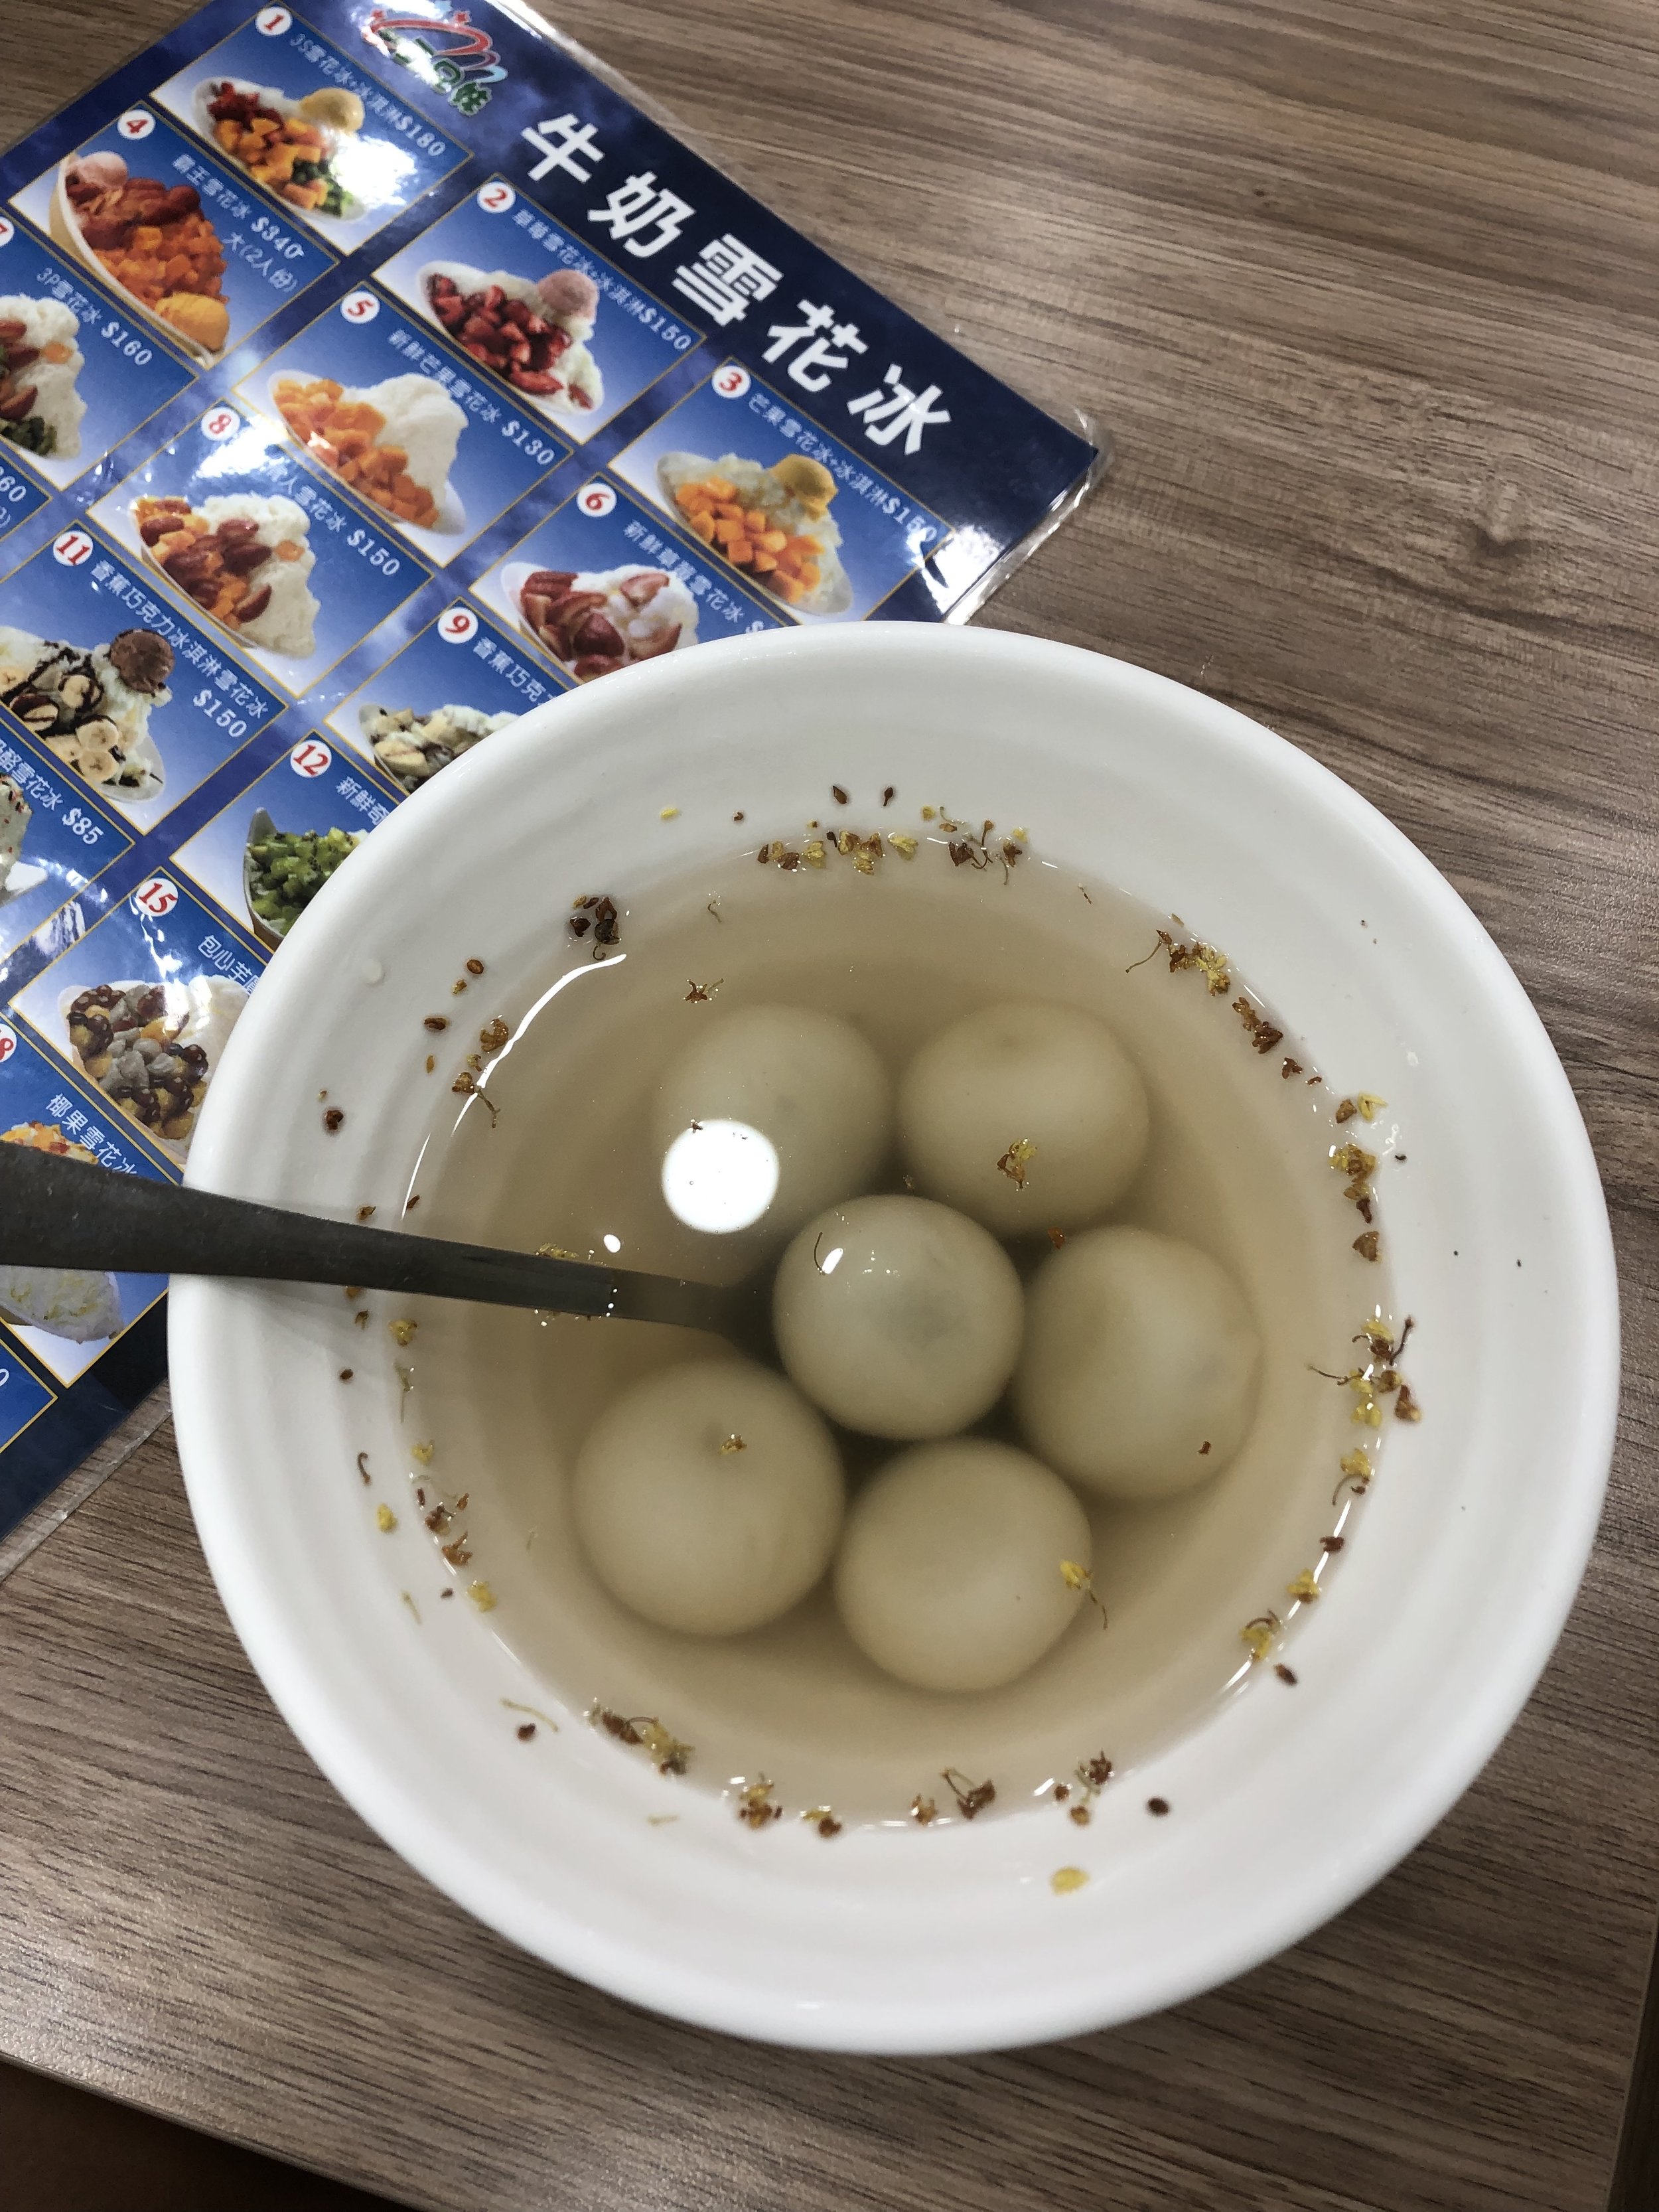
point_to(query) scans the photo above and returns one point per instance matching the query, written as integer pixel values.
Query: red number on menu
(158, 896)
(73, 548)
(310, 758)
(8, 1043)
(458, 623)
(7, 231)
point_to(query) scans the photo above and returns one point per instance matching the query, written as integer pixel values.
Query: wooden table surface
(1368, 296)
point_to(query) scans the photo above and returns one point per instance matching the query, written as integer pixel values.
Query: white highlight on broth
(719, 1176)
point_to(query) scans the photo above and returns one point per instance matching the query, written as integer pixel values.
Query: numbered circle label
(596, 501)
(220, 422)
(156, 896)
(497, 198)
(311, 759)
(360, 307)
(460, 626)
(137, 123)
(8, 1043)
(7, 230)
(731, 382)
(271, 23)
(72, 548)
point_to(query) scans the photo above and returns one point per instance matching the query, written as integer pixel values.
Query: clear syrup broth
(1238, 1163)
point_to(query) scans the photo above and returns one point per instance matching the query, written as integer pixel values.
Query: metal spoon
(61, 1212)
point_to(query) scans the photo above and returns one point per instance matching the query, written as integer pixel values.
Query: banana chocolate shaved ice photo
(90, 706)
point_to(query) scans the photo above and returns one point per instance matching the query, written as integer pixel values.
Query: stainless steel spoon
(61, 1212)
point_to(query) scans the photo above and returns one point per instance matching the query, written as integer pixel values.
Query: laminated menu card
(370, 375)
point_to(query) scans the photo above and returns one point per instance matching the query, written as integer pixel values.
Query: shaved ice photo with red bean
(570, 335)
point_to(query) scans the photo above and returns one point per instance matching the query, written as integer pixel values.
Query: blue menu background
(69, 836)
(462, 102)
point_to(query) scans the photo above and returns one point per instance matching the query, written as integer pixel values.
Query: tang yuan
(808, 1081)
(1024, 1115)
(1139, 1374)
(897, 1316)
(709, 1498)
(1035, 1438)
(953, 1573)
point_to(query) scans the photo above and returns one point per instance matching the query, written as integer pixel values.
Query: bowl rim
(344, 1748)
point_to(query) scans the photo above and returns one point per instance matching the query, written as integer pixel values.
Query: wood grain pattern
(1366, 295)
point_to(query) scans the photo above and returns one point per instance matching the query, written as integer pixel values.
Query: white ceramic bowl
(1288, 1806)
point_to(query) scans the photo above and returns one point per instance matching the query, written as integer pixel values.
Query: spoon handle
(61, 1212)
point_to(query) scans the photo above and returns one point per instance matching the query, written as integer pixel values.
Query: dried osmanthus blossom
(1090, 1777)
(594, 917)
(536, 1713)
(1365, 1103)
(1015, 1161)
(1263, 1034)
(645, 1732)
(467, 1086)
(1064, 1880)
(1076, 1577)
(1357, 1474)
(1210, 963)
(755, 1807)
(1260, 1635)
(972, 1797)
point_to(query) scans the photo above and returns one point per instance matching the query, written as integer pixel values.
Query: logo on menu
(444, 51)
